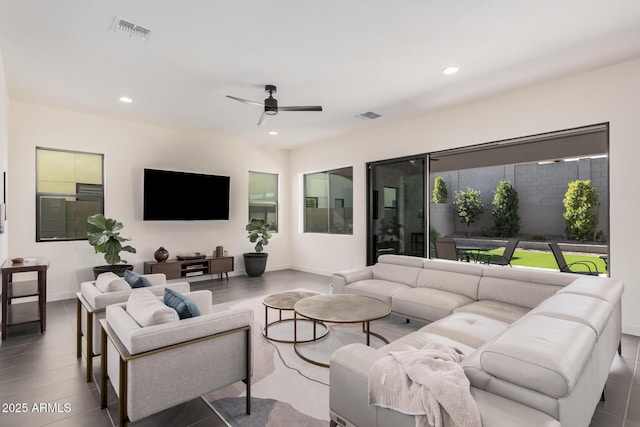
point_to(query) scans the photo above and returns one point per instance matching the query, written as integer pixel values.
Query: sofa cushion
(589, 311)
(417, 339)
(467, 328)
(396, 273)
(540, 353)
(136, 280)
(409, 261)
(598, 287)
(111, 282)
(426, 303)
(147, 310)
(182, 304)
(378, 289)
(450, 281)
(519, 287)
(497, 310)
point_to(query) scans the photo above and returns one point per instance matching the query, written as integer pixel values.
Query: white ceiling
(348, 56)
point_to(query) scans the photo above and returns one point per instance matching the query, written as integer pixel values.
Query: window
(263, 198)
(328, 198)
(69, 188)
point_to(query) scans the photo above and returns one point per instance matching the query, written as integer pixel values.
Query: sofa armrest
(342, 278)
(98, 299)
(349, 379)
(138, 340)
(202, 299)
(156, 279)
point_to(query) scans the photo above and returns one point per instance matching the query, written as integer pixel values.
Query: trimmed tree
(505, 210)
(580, 203)
(440, 192)
(469, 205)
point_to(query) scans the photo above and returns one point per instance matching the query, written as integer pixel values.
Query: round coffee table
(284, 301)
(341, 308)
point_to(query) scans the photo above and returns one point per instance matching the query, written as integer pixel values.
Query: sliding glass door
(396, 203)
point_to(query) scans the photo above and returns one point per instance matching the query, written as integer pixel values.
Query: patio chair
(504, 259)
(590, 266)
(446, 249)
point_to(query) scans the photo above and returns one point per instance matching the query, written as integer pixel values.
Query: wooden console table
(31, 312)
(181, 269)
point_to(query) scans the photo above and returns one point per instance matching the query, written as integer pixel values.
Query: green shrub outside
(505, 210)
(469, 205)
(580, 203)
(440, 192)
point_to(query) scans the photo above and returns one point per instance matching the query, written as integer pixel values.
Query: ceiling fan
(271, 105)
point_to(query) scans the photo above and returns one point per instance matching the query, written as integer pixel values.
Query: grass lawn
(546, 260)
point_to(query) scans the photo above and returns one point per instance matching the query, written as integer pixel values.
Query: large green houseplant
(104, 235)
(258, 233)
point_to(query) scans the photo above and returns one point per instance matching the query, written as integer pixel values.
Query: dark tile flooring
(39, 373)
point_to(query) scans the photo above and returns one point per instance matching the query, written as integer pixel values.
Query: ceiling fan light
(270, 112)
(452, 69)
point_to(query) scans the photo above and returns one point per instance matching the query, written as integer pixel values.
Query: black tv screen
(184, 196)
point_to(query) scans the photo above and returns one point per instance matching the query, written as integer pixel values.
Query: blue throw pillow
(136, 280)
(181, 303)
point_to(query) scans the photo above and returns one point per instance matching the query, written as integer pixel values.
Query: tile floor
(38, 369)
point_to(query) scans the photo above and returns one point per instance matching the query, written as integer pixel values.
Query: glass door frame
(373, 200)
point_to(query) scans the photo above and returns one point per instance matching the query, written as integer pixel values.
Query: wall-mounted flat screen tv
(184, 196)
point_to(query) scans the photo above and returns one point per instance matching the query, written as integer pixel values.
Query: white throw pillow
(147, 310)
(111, 282)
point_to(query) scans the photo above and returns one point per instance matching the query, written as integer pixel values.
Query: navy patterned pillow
(136, 280)
(181, 303)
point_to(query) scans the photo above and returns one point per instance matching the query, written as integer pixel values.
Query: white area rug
(286, 390)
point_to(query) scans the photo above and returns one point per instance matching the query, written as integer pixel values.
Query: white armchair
(91, 303)
(153, 368)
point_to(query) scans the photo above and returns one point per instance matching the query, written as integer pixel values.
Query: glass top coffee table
(341, 308)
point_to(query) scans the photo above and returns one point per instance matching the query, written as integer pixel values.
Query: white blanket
(428, 383)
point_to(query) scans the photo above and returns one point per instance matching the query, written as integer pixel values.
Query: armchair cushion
(136, 280)
(147, 310)
(110, 282)
(182, 304)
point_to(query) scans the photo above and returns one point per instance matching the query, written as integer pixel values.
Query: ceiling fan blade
(246, 101)
(302, 108)
(263, 119)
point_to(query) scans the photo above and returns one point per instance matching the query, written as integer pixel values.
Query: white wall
(4, 124)
(610, 94)
(128, 148)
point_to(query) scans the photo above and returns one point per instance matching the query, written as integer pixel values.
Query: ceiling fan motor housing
(271, 105)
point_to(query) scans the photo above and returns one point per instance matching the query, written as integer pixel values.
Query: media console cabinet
(180, 269)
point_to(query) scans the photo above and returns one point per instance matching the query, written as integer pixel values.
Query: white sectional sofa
(538, 345)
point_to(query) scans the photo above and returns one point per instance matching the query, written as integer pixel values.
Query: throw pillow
(147, 310)
(136, 280)
(110, 282)
(181, 303)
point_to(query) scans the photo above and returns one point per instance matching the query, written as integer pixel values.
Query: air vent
(130, 29)
(369, 115)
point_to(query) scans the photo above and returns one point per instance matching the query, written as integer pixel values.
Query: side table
(284, 301)
(20, 314)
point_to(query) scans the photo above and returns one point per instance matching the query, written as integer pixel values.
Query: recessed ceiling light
(273, 132)
(126, 99)
(450, 70)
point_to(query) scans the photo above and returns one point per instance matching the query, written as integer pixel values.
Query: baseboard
(327, 273)
(631, 329)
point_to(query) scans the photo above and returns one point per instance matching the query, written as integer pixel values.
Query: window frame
(312, 201)
(78, 195)
(275, 205)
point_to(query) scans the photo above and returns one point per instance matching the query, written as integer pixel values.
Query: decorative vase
(161, 254)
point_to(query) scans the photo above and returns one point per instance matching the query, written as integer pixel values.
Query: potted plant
(104, 235)
(258, 233)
